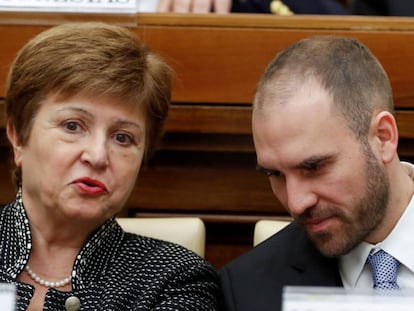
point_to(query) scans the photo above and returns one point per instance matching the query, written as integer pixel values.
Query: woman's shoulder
(152, 247)
(6, 209)
(160, 256)
(165, 271)
(165, 260)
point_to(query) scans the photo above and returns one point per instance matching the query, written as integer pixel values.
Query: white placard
(77, 6)
(338, 299)
(148, 6)
(7, 297)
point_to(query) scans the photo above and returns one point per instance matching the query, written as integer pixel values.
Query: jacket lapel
(309, 266)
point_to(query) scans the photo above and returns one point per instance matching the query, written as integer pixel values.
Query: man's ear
(14, 140)
(385, 132)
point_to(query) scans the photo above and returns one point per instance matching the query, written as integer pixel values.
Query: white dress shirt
(355, 273)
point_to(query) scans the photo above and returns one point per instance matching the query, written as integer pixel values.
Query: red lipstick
(89, 185)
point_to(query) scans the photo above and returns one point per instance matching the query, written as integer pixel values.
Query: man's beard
(367, 215)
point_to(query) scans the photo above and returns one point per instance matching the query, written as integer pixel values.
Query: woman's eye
(123, 139)
(72, 126)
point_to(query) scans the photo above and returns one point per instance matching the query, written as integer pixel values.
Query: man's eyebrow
(267, 171)
(311, 162)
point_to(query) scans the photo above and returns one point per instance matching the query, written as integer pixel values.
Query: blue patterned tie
(384, 270)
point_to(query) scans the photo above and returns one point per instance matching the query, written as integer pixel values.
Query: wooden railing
(206, 164)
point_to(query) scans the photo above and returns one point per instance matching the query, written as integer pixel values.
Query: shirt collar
(398, 241)
(351, 264)
(395, 244)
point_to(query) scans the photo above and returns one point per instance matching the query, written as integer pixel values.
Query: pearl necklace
(46, 283)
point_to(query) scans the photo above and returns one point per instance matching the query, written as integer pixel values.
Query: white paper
(339, 299)
(77, 6)
(7, 297)
(149, 6)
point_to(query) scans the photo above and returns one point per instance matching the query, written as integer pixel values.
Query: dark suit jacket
(255, 280)
(383, 7)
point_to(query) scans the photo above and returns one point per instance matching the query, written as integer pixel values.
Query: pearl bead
(47, 283)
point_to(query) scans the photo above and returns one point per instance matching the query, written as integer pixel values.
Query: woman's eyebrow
(76, 109)
(118, 122)
(121, 122)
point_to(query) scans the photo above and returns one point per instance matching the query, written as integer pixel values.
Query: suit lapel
(309, 266)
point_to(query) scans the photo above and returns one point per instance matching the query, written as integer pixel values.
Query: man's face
(330, 183)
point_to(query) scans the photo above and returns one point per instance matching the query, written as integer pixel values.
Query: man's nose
(300, 195)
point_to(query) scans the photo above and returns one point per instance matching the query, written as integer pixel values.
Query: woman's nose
(95, 152)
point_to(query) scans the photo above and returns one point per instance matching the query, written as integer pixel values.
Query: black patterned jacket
(115, 270)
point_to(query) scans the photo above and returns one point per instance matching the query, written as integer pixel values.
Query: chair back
(264, 229)
(189, 232)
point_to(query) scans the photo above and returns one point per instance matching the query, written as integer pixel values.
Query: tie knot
(384, 270)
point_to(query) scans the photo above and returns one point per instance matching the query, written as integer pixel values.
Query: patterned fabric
(115, 270)
(384, 270)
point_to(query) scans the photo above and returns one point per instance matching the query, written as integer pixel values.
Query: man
(325, 134)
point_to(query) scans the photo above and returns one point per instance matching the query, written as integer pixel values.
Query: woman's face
(82, 158)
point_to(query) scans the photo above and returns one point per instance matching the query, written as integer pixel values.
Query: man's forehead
(308, 96)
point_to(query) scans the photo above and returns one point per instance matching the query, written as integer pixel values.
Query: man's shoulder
(285, 254)
(254, 281)
(274, 250)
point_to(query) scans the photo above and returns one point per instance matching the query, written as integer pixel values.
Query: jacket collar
(16, 243)
(310, 265)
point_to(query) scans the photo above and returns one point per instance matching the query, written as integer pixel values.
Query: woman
(85, 104)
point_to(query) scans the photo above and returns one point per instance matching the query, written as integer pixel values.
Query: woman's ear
(14, 140)
(385, 132)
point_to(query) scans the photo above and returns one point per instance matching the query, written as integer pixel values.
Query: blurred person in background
(285, 7)
(383, 7)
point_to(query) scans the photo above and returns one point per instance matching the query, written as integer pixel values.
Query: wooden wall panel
(205, 165)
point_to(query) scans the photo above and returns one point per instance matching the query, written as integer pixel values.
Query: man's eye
(317, 166)
(313, 167)
(269, 172)
(274, 173)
